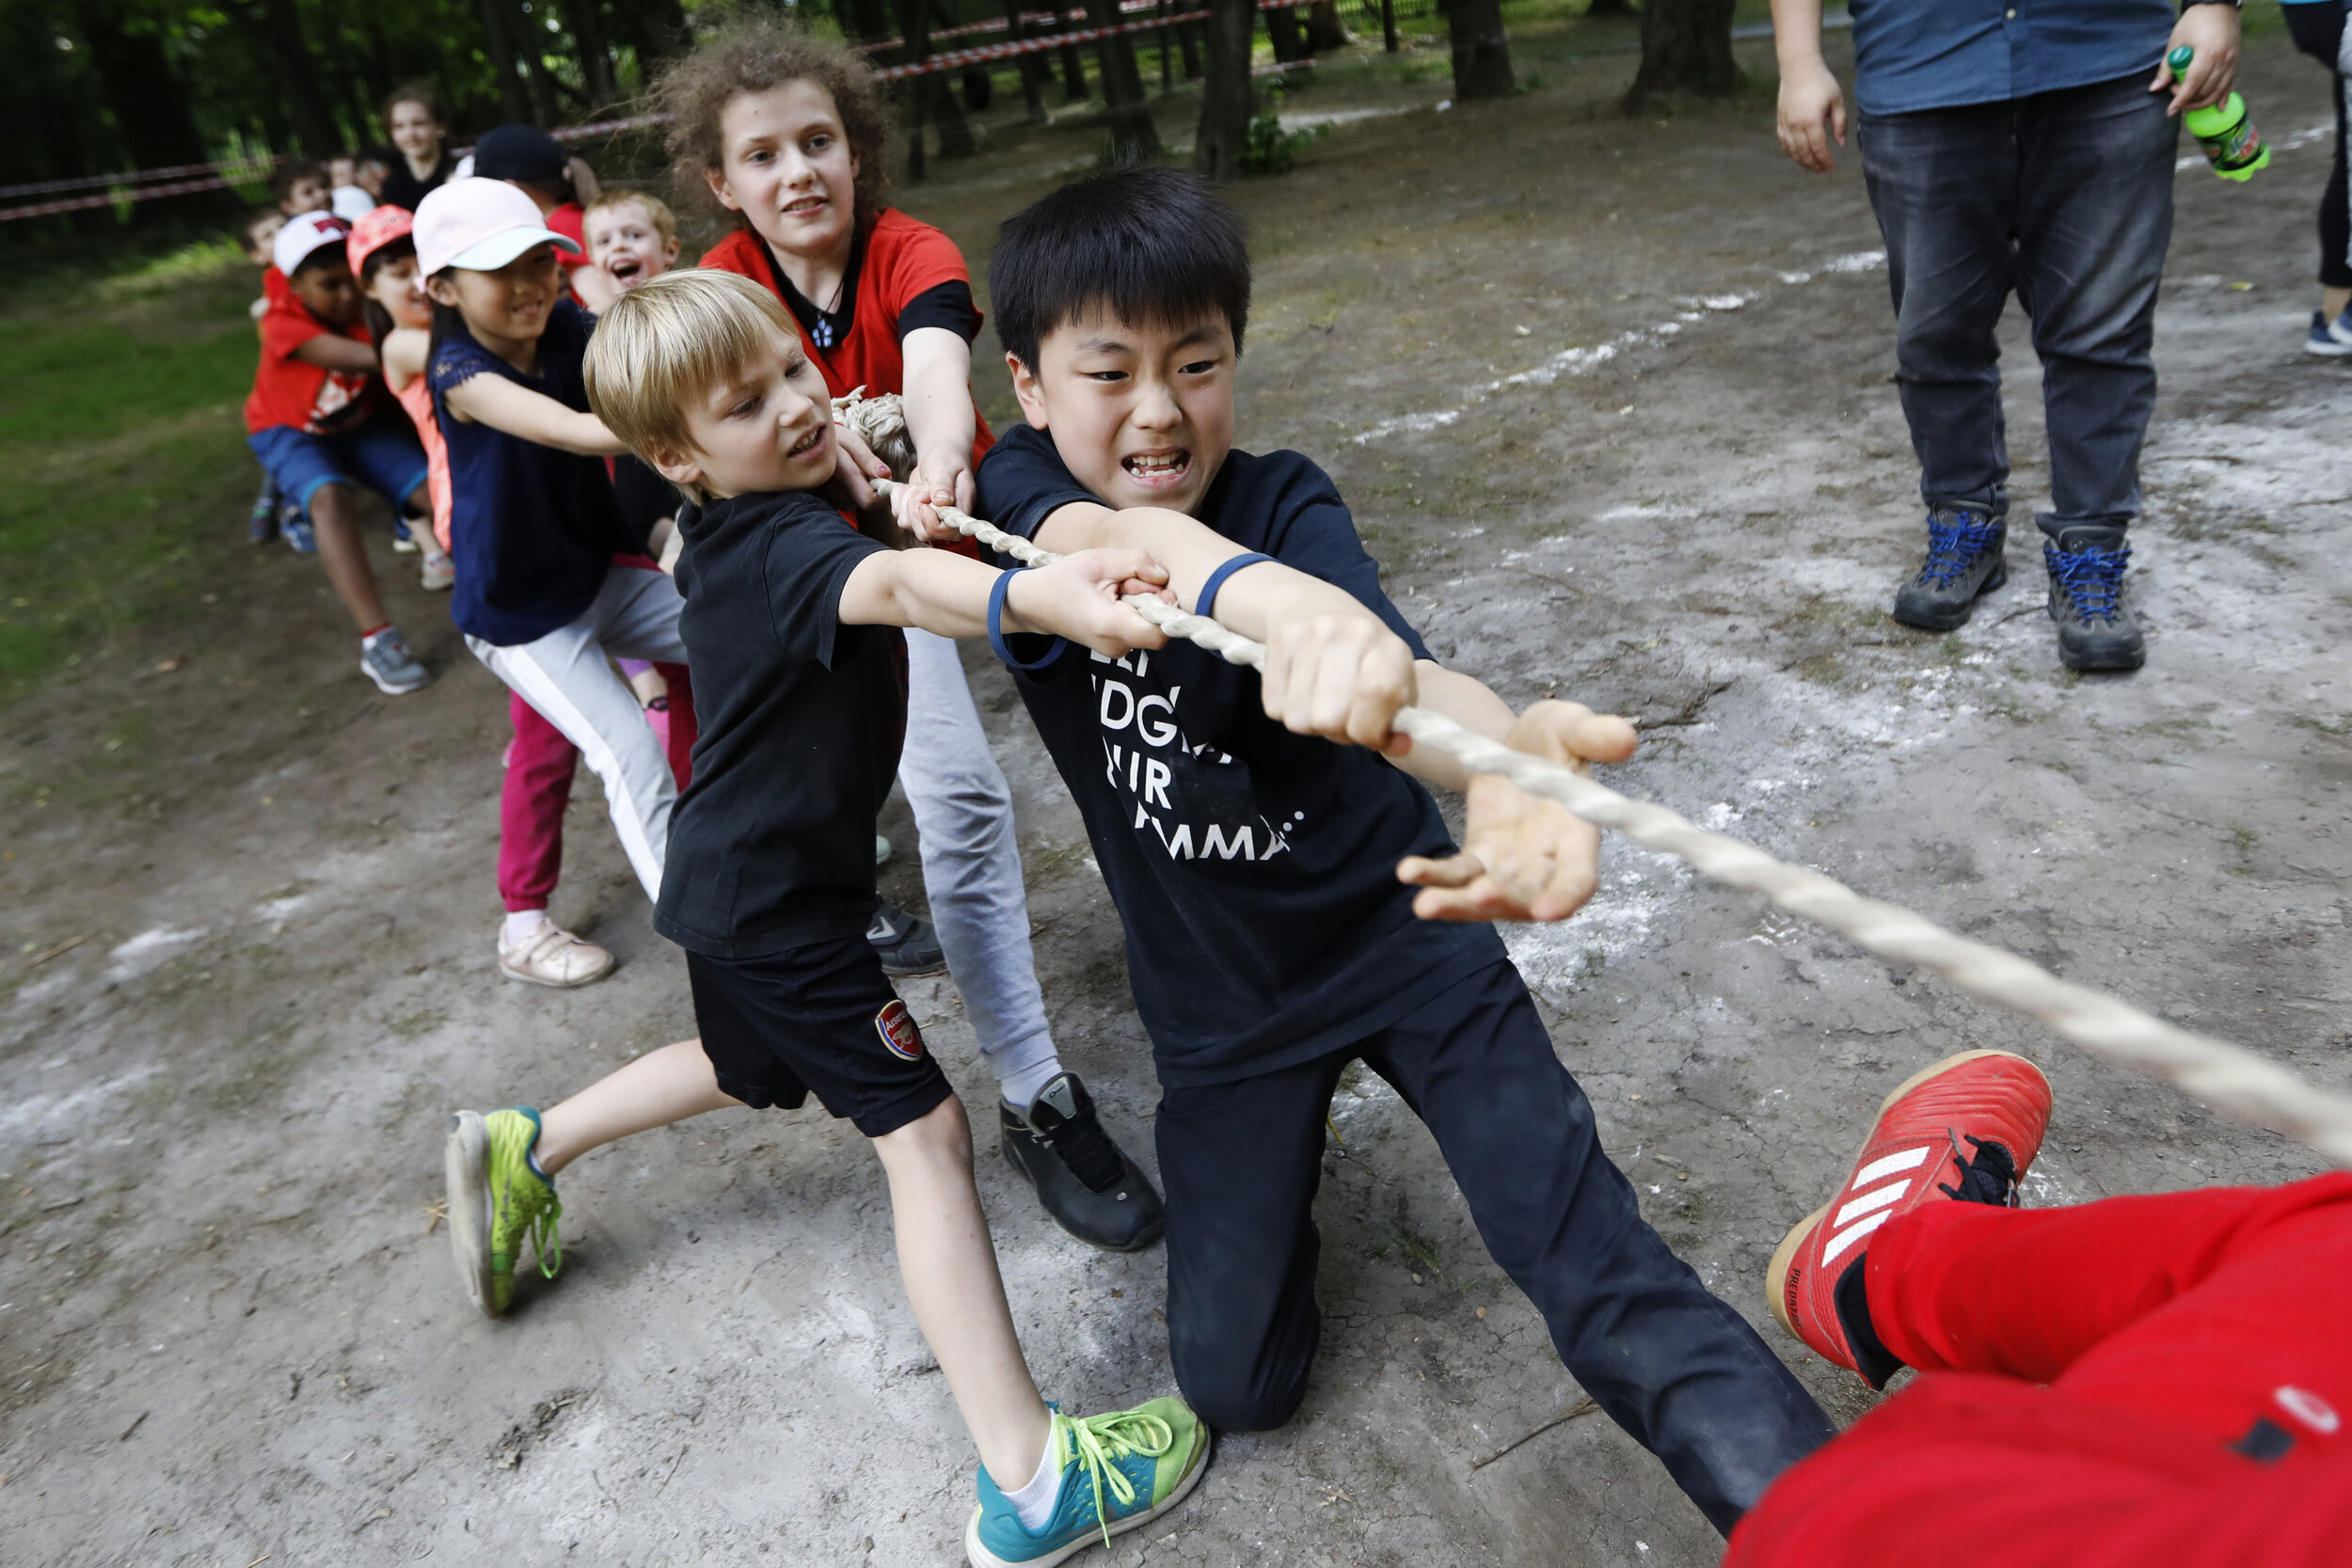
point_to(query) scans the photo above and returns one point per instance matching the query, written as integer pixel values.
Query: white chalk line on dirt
(1584, 360)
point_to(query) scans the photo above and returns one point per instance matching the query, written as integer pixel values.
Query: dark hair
(756, 55)
(390, 250)
(291, 173)
(416, 92)
(1147, 245)
(325, 254)
(382, 153)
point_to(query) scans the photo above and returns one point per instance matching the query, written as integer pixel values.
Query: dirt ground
(1611, 403)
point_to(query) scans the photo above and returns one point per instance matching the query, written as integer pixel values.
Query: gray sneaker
(385, 659)
(1965, 561)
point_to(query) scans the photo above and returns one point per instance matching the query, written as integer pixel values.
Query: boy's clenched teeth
(1157, 467)
(807, 443)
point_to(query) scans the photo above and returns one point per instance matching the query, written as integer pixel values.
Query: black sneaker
(2095, 631)
(907, 945)
(1965, 561)
(1092, 1188)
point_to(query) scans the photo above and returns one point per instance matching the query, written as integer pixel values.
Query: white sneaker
(553, 957)
(439, 571)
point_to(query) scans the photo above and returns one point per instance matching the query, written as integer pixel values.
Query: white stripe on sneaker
(1867, 1201)
(1877, 1170)
(1848, 1236)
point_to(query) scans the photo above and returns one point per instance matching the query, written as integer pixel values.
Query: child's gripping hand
(1078, 597)
(939, 479)
(1341, 674)
(1524, 858)
(854, 468)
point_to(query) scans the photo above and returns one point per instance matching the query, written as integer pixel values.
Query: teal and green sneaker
(495, 1200)
(1118, 1471)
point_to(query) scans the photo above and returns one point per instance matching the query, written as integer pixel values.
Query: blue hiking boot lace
(2092, 580)
(1954, 546)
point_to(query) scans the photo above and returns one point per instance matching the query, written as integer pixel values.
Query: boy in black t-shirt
(791, 621)
(1265, 876)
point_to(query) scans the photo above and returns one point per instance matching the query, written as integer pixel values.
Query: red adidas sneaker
(1966, 1127)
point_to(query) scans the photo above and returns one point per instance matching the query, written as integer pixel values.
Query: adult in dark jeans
(2023, 145)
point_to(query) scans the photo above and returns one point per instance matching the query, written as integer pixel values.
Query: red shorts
(2134, 1382)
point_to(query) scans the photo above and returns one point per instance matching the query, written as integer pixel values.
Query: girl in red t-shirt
(791, 137)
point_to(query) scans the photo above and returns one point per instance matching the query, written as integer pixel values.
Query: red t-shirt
(904, 257)
(571, 221)
(291, 392)
(274, 285)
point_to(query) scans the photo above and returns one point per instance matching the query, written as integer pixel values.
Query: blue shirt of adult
(532, 530)
(1913, 54)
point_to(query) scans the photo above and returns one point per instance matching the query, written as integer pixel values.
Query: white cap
(353, 202)
(479, 225)
(302, 235)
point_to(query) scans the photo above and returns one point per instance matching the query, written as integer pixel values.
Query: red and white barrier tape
(955, 60)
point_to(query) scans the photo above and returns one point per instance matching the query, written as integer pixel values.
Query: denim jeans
(2067, 198)
(1673, 1365)
(972, 865)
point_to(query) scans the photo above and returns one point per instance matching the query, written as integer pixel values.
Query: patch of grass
(121, 435)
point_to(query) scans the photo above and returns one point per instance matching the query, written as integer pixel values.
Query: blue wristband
(1205, 605)
(996, 625)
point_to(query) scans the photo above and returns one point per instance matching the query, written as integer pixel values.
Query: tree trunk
(660, 25)
(1074, 70)
(1228, 96)
(932, 100)
(530, 48)
(1134, 138)
(1283, 29)
(149, 106)
(1036, 74)
(1324, 28)
(1609, 7)
(1482, 57)
(274, 28)
(595, 57)
(1188, 36)
(498, 44)
(1686, 47)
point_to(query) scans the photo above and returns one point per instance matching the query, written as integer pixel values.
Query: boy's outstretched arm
(530, 416)
(1333, 668)
(1077, 597)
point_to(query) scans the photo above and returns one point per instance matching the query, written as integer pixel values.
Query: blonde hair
(664, 220)
(669, 341)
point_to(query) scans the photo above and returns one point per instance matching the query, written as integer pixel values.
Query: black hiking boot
(1083, 1180)
(907, 943)
(2095, 631)
(1965, 561)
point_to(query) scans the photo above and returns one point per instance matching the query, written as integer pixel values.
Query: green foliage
(126, 463)
(1270, 149)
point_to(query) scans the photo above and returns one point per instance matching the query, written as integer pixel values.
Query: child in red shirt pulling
(791, 137)
(317, 422)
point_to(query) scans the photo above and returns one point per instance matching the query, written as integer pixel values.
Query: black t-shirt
(773, 845)
(1254, 870)
(644, 496)
(404, 189)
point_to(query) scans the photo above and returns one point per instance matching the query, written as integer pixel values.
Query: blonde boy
(791, 624)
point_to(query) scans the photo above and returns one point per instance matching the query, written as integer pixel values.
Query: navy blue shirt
(1911, 54)
(532, 530)
(1254, 870)
(773, 845)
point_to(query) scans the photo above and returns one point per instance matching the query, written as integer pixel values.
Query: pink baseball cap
(313, 231)
(376, 230)
(479, 225)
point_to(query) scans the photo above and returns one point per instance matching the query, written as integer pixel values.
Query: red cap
(377, 229)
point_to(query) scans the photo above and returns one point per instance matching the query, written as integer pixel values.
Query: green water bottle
(2225, 130)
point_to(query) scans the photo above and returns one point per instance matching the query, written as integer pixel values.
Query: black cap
(519, 153)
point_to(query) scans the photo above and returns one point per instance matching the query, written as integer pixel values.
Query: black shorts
(823, 1018)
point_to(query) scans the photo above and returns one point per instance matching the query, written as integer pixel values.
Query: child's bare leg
(334, 514)
(658, 1088)
(949, 1267)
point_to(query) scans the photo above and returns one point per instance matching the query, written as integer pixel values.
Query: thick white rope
(2232, 1081)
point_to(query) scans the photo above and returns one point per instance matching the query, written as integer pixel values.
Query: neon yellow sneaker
(495, 1200)
(1118, 1471)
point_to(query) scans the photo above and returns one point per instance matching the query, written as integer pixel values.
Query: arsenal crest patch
(900, 1036)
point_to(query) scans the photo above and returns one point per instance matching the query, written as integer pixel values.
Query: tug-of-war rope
(2235, 1081)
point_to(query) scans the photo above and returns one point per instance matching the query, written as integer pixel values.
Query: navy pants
(2065, 197)
(1677, 1369)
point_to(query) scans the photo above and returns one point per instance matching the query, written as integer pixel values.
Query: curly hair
(754, 54)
